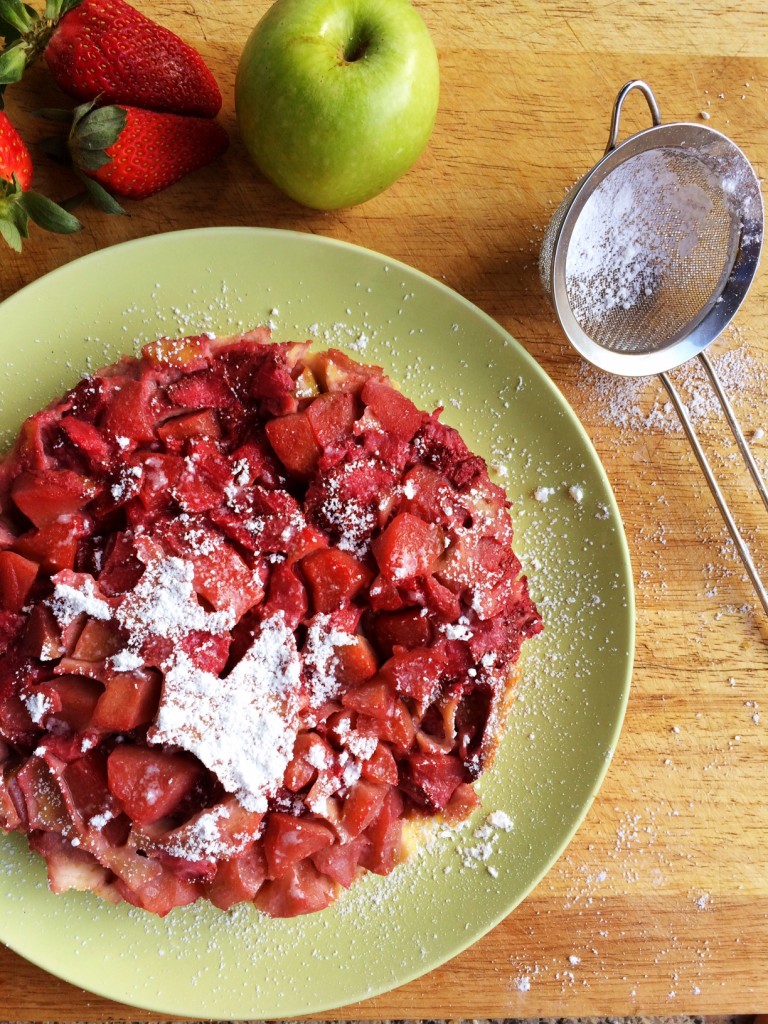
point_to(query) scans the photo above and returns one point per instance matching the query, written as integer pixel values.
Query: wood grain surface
(660, 904)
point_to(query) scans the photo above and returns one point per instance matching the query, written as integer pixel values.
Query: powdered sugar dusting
(67, 602)
(320, 658)
(164, 602)
(242, 727)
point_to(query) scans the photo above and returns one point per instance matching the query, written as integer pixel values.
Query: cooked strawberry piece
(195, 424)
(462, 803)
(149, 783)
(98, 639)
(408, 548)
(17, 577)
(408, 629)
(345, 497)
(11, 626)
(268, 522)
(471, 559)
(381, 767)
(375, 699)
(86, 790)
(298, 774)
(337, 372)
(332, 416)
(54, 546)
(286, 594)
(254, 463)
(206, 652)
(428, 495)
(396, 413)
(161, 894)
(45, 807)
(341, 862)
(303, 890)
(433, 778)
(30, 449)
(130, 413)
(356, 662)
(220, 574)
(384, 595)
(381, 713)
(394, 453)
(89, 398)
(288, 840)
(10, 819)
(415, 674)
(122, 569)
(90, 442)
(442, 448)
(157, 483)
(188, 354)
(310, 754)
(42, 635)
(238, 879)
(199, 479)
(443, 601)
(72, 868)
(334, 577)
(129, 700)
(272, 385)
(294, 443)
(187, 869)
(385, 836)
(201, 391)
(362, 806)
(133, 868)
(16, 725)
(76, 697)
(227, 827)
(398, 729)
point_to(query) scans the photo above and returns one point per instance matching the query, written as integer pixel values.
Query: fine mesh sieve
(649, 256)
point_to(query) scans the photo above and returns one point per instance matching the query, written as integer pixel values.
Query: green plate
(459, 883)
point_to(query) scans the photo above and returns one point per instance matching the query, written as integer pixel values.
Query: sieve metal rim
(714, 316)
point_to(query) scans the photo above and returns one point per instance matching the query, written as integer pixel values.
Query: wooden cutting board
(660, 904)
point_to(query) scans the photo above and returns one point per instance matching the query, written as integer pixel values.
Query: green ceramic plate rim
(80, 265)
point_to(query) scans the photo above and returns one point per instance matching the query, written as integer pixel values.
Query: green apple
(337, 98)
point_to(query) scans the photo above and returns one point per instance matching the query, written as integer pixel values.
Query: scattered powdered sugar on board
(642, 403)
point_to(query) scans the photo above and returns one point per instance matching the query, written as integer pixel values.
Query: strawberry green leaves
(94, 130)
(19, 207)
(18, 204)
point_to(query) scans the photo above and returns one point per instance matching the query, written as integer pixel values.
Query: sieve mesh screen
(651, 251)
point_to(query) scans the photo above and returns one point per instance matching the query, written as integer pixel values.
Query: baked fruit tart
(257, 610)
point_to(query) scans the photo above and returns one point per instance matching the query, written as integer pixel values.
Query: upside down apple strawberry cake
(256, 610)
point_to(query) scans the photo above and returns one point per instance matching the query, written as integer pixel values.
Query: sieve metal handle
(741, 441)
(653, 106)
(706, 469)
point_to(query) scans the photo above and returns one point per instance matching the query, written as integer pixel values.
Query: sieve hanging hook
(671, 316)
(625, 90)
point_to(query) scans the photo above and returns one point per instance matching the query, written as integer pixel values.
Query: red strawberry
(108, 49)
(17, 204)
(14, 155)
(135, 153)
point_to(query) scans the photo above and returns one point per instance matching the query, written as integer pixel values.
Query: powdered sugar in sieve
(651, 246)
